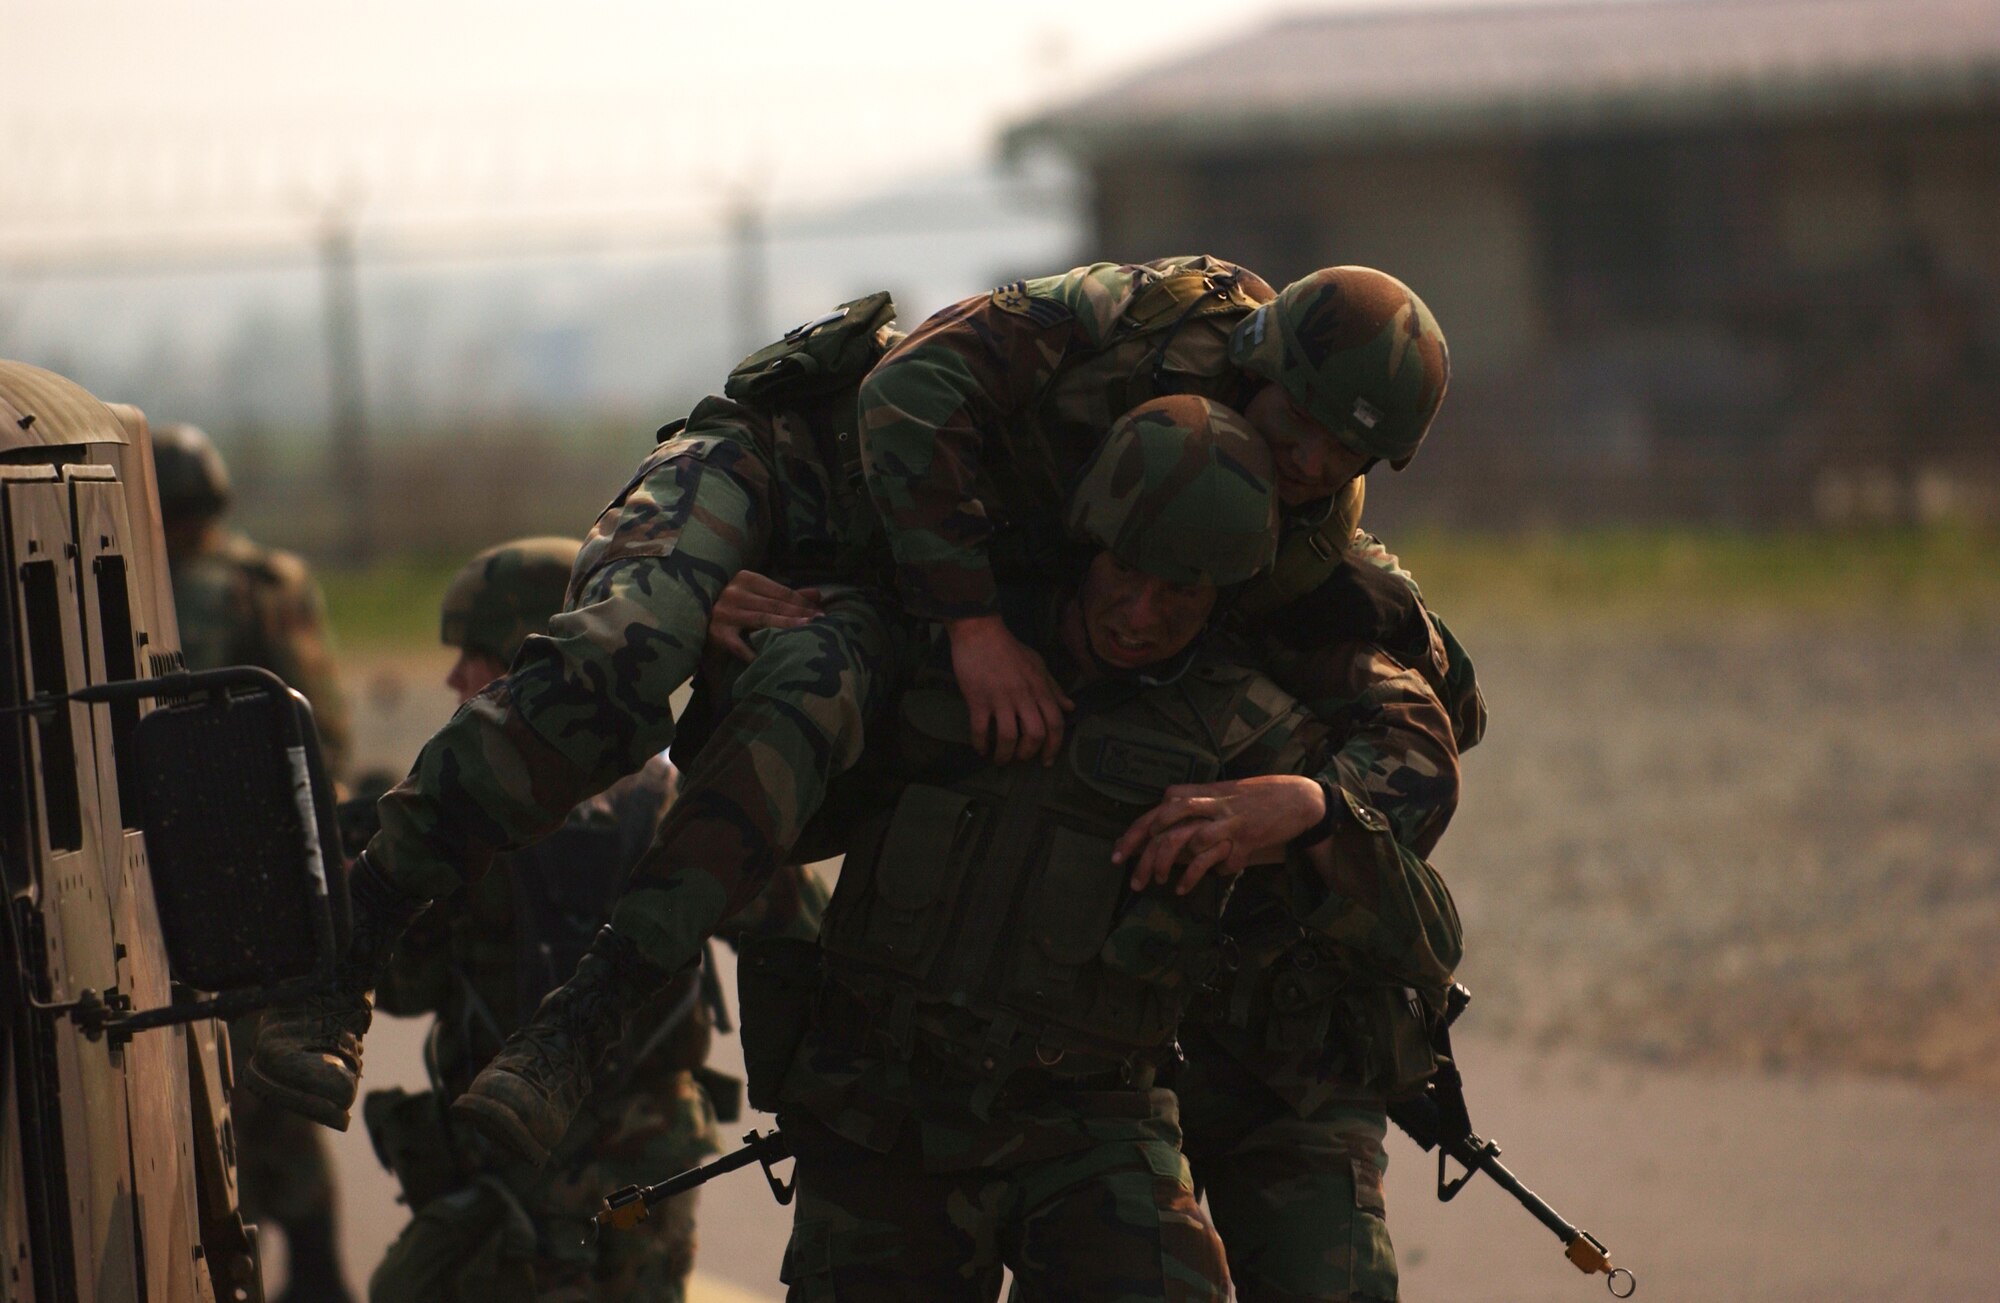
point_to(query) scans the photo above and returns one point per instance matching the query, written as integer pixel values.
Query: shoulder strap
(1188, 292)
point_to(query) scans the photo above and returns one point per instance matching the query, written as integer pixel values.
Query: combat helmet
(506, 593)
(1358, 351)
(1181, 488)
(194, 483)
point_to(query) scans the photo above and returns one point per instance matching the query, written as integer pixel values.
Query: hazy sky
(164, 117)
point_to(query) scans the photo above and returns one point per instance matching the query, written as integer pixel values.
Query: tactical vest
(982, 921)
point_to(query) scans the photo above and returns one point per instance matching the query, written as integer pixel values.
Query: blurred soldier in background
(487, 1229)
(241, 604)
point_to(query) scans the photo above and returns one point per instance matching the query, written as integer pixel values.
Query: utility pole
(352, 475)
(747, 239)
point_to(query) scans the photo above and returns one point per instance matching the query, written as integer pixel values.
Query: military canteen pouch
(777, 979)
(817, 357)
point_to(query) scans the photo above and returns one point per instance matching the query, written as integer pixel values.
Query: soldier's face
(472, 672)
(1134, 619)
(1312, 463)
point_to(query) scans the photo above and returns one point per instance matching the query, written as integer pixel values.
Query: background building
(1733, 260)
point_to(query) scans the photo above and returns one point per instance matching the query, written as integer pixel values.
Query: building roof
(1481, 70)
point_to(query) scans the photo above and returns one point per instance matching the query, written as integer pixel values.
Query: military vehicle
(161, 840)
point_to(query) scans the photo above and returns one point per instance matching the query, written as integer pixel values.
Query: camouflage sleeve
(588, 703)
(792, 904)
(1396, 752)
(1397, 770)
(928, 411)
(1379, 899)
(291, 619)
(1385, 906)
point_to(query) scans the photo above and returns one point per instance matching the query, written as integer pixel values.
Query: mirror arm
(111, 1015)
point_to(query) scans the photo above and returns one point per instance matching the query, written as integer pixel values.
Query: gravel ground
(1770, 844)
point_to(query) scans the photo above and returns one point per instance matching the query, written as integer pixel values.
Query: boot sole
(501, 1125)
(314, 1108)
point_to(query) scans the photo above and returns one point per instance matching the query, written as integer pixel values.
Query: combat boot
(308, 1055)
(525, 1098)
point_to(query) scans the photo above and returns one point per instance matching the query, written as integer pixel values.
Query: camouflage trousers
(500, 1233)
(1298, 1200)
(787, 724)
(1114, 1222)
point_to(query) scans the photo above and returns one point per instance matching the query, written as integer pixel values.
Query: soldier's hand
(1008, 691)
(753, 601)
(1219, 828)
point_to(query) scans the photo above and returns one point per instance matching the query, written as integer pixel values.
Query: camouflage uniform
(743, 485)
(240, 604)
(487, 1227)
(977, 1085)
(972, 426)
(771, 482)
(1283, 1094)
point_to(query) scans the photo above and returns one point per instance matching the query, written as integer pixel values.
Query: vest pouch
(1381, 1038)
(890, 910)
(1304, 988)
(1166, 940)
(777, 979)
(817, 357)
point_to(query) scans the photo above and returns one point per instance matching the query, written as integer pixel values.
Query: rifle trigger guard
(1448, 1189)
(781, 1190)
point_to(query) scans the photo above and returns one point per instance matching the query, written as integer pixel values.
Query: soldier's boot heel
(526, 1097)
(308, 1055)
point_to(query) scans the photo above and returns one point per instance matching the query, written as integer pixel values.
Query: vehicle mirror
(238, 819)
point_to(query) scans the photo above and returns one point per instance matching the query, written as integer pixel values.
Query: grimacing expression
(1133, 618)
(471, 672)
(1312, 462)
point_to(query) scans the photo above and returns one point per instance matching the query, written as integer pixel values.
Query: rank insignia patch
(1013, 298)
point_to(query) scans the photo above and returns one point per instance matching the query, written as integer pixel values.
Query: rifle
(1437, 1119)
(625, 1208)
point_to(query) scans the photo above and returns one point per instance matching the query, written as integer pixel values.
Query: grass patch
(391, 606)
(1627, 573)
(1638, 573)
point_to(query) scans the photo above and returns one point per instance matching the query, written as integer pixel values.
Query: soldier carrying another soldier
(1347, 348)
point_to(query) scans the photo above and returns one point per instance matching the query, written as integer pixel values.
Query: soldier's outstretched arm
(588, 703)
(1394, 755)
(930, 412)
